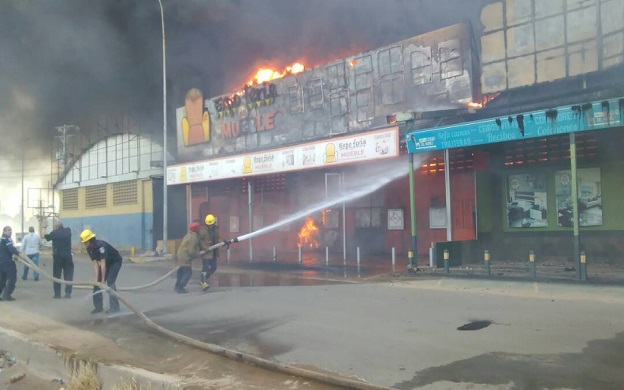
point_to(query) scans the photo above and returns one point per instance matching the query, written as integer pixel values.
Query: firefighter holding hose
(208, 236)
(106, 265)
(189, 250)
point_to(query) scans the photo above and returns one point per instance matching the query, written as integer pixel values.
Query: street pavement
(398, 331)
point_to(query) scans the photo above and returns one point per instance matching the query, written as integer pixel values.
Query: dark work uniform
(8, 270)
(103, 251)
(62, 261)
(209, 236)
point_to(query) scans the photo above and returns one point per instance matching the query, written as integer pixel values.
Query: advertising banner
(341, 150)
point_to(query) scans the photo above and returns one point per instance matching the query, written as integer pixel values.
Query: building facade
(267, 152)
(110, 188)
(243, 156)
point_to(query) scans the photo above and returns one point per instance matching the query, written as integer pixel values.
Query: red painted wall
(429, 188)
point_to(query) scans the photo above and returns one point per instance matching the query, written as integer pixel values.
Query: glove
(226, 243)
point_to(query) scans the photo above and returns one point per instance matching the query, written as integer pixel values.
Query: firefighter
(189, 250)
(209, 236)
(106, 265)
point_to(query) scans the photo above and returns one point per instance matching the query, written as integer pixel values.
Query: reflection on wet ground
(312, 270)
(276, 274)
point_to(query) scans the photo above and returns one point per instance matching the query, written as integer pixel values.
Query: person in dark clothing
(62, 261)
(8, 269)
(106, 265)
(209, 236)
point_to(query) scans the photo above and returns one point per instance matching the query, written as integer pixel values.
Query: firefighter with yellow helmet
(209, 236)
(106, 265)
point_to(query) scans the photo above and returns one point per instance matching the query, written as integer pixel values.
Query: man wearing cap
(106, 265)
(62, 261)
(189, 250)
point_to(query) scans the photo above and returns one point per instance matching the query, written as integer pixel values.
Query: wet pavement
(397, 329)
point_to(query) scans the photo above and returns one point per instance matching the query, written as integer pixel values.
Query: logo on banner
(330, 153)
(196, 123)
(247, 165)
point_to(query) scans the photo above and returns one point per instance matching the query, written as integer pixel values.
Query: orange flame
(267, 74)
(308, 234)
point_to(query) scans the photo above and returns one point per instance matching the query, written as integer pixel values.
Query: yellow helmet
(86, 235)
(210, 219)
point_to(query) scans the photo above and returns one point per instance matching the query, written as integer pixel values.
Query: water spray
(384, 174)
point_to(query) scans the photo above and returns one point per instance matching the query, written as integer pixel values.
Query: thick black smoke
(69, 61)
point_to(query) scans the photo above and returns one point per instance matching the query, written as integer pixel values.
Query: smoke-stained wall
(526, 42)
(428, 72)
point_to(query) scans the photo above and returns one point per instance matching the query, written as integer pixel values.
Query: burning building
(487, 129)
(265, 151)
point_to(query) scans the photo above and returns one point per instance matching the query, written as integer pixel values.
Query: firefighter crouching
(208, 236)
(189, 250)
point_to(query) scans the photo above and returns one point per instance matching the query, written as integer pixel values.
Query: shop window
(451, 64)
(336, 75)
(368, 217)
(369, 210)
(295, 99)
(422, 69)
(315, 94)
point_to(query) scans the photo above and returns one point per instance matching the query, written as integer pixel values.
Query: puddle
(475, 325)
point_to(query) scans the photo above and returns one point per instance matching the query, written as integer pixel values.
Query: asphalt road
(399, 334)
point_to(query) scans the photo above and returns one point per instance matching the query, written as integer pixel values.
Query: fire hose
(165, 276)
(213, 348)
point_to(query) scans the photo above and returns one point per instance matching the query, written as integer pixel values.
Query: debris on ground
(17, 377)
(6, 359)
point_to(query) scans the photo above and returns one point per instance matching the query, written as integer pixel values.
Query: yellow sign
(330, 153)
(247, 165)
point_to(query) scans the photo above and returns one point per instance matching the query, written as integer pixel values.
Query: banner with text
(563, 120)
(336, 151)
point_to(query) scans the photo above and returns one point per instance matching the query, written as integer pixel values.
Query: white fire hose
(213, 348)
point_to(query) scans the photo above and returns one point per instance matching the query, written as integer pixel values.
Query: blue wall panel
(121, 230)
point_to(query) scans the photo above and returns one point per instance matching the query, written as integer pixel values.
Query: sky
(70, 61)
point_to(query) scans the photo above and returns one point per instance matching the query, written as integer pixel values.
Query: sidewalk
(300, 318)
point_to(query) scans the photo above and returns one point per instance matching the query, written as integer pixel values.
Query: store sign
(563, 120)
(343, 150)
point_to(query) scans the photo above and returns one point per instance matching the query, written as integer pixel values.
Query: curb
(47, 362)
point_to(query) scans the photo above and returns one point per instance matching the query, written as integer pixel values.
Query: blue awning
(596, 115)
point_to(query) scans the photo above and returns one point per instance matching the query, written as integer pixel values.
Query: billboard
(428, 72)
(360, 147)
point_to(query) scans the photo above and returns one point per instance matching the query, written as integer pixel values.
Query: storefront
(349, 193)
(268, 151)
(526, 168)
